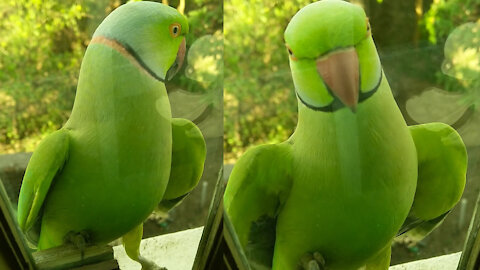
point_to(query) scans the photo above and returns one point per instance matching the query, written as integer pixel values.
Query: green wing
(442, 165)
(188, 157)
(256, 190)
(47, 160)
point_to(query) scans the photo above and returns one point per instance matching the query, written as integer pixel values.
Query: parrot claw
(79, 239)
(149, 265)
(311, 261)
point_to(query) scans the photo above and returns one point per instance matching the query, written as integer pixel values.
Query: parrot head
(152, 33)
(333, 59)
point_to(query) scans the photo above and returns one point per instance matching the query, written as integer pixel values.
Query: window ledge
(175, 251)
(445, 262)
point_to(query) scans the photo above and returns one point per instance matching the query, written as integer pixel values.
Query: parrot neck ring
(337, 104)
(339, 70)
(126, 51)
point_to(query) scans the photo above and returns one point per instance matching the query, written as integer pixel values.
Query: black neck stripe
(336, 104)
(134, 54)
(124, 49)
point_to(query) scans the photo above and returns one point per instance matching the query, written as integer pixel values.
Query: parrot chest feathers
(354, 179)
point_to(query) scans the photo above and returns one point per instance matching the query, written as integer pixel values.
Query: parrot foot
(79, 239)
(149, 265)
(311, 261)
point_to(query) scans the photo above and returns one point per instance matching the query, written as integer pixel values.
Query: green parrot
(120, 154)
(337, 192)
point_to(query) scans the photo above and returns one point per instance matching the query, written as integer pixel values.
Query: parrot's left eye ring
(175, 29)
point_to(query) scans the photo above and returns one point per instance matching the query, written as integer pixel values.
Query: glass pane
(42, 44)
(429, 54)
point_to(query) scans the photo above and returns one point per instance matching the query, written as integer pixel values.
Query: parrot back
(120, 152)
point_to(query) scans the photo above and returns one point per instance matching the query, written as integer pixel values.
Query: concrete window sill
(177, 251)
(445, 262)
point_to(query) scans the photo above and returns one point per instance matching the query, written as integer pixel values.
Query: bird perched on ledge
(120, 153)
(353, 175)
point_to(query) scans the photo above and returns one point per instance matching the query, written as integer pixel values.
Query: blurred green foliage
(42, 43)
(259, 102)
(41, 46)
(205, 67)
(448, 20)
(443, 16)
(462, 60)
(205, 17)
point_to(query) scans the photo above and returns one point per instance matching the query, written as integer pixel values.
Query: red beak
(181, 53)
(178, 60)
(340, 72)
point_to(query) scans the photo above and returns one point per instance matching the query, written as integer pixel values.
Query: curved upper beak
(178, 61)
(340, 72)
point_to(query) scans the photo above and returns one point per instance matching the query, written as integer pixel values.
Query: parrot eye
(290, 52)
(368, 26)
(175, 29)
